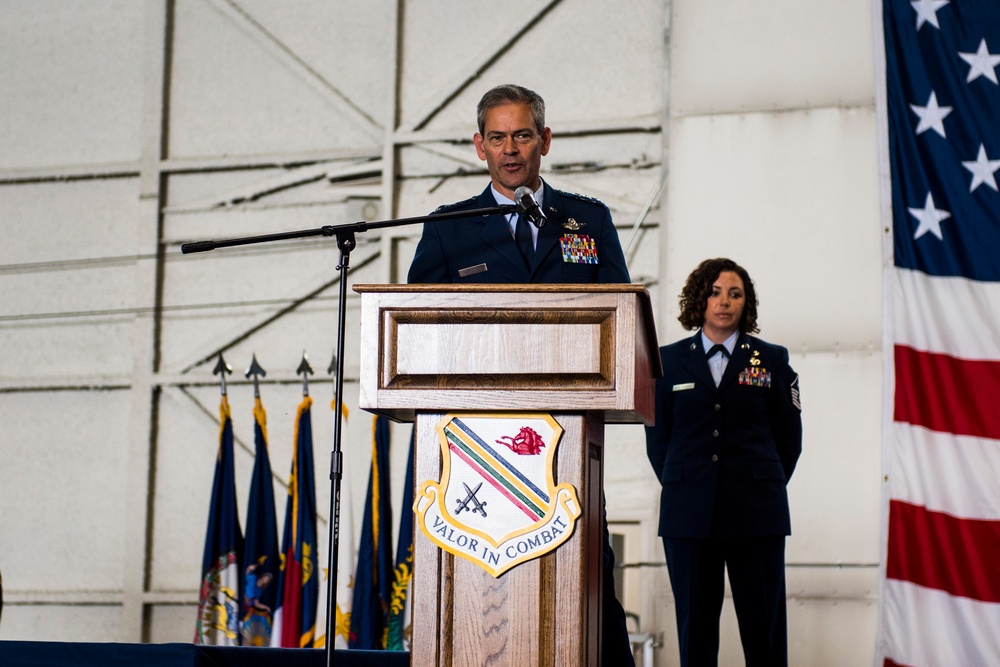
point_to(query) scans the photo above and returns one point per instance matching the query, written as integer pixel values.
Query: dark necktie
(522, 236)
(718, 347)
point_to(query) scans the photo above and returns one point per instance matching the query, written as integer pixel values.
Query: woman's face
(725, 307)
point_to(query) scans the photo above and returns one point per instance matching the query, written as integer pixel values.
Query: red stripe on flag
(943, 552)
(291, 605)
(947, 394)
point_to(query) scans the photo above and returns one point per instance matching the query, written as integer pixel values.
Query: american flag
(940, 588)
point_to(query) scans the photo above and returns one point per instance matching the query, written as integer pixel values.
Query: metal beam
(295, 64)
(491, 54)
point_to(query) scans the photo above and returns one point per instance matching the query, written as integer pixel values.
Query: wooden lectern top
(550, 347)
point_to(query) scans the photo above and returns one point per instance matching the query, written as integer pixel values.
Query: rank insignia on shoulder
(578, 249)
(576, 195)
(448, 207)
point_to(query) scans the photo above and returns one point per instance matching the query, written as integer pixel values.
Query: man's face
(512, 147)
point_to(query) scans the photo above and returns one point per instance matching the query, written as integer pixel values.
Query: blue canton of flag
(940, 588)
(944, 134)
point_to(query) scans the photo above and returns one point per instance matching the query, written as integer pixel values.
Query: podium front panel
(508, 347)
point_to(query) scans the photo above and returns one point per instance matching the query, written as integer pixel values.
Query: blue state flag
(374, 575)
(220, 590)
(261, 561)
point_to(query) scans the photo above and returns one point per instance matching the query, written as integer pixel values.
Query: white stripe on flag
(926, 465)
(953, 316)
(923, 626)
(276, 624)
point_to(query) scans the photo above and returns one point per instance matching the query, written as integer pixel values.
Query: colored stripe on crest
(506, 479)
(494, 481)
(470, 435)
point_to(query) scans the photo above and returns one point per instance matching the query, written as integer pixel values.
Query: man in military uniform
(578, 243)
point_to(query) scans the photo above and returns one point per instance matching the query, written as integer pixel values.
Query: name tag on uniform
(683, 387)
(471, 270)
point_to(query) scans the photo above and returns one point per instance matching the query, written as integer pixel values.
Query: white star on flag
(930, 218)
(982, 63)
(982, 170)
(931, 116)
(927, 11)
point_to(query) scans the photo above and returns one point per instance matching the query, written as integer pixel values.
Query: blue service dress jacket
(578, 244)
(724, 454)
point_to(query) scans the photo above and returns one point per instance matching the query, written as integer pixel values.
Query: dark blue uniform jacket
(482, 250)
(724, 455)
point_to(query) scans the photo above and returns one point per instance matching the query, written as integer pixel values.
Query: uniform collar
(538, 194)
(729, 343)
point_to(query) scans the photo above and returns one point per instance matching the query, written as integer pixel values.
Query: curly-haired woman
(728, 433)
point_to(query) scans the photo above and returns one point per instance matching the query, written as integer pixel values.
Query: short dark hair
(697, 289)
(508, 93)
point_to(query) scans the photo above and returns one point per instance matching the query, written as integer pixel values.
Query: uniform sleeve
(658, 435)
(786, 416)
(612, 268)
(428, 265)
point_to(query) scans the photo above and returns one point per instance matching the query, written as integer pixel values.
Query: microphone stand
(346, 242)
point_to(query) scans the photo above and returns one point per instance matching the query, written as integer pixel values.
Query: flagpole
(346, 242)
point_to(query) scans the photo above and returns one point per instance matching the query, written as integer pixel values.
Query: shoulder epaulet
(585, 198)
(458, 204)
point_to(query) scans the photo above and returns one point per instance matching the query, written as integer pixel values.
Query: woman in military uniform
(727, 436)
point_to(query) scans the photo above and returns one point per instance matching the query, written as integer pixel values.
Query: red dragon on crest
(527, 441)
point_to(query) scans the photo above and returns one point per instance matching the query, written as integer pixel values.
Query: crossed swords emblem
(477, 506)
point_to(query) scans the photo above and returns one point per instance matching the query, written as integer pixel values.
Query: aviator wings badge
(497, 503)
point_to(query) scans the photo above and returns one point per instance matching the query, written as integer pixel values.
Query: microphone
(527, 207)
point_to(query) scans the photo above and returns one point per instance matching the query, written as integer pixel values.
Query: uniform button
(717, 407)
(715, 458)
(715, 434)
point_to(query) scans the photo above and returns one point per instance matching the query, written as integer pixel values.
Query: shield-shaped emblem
(497, 503)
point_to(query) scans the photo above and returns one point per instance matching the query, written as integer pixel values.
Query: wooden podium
(584, 354)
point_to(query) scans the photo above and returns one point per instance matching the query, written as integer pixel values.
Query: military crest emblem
(497, 503)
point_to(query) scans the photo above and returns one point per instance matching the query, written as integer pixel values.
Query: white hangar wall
(773, 162)
(129, 128)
